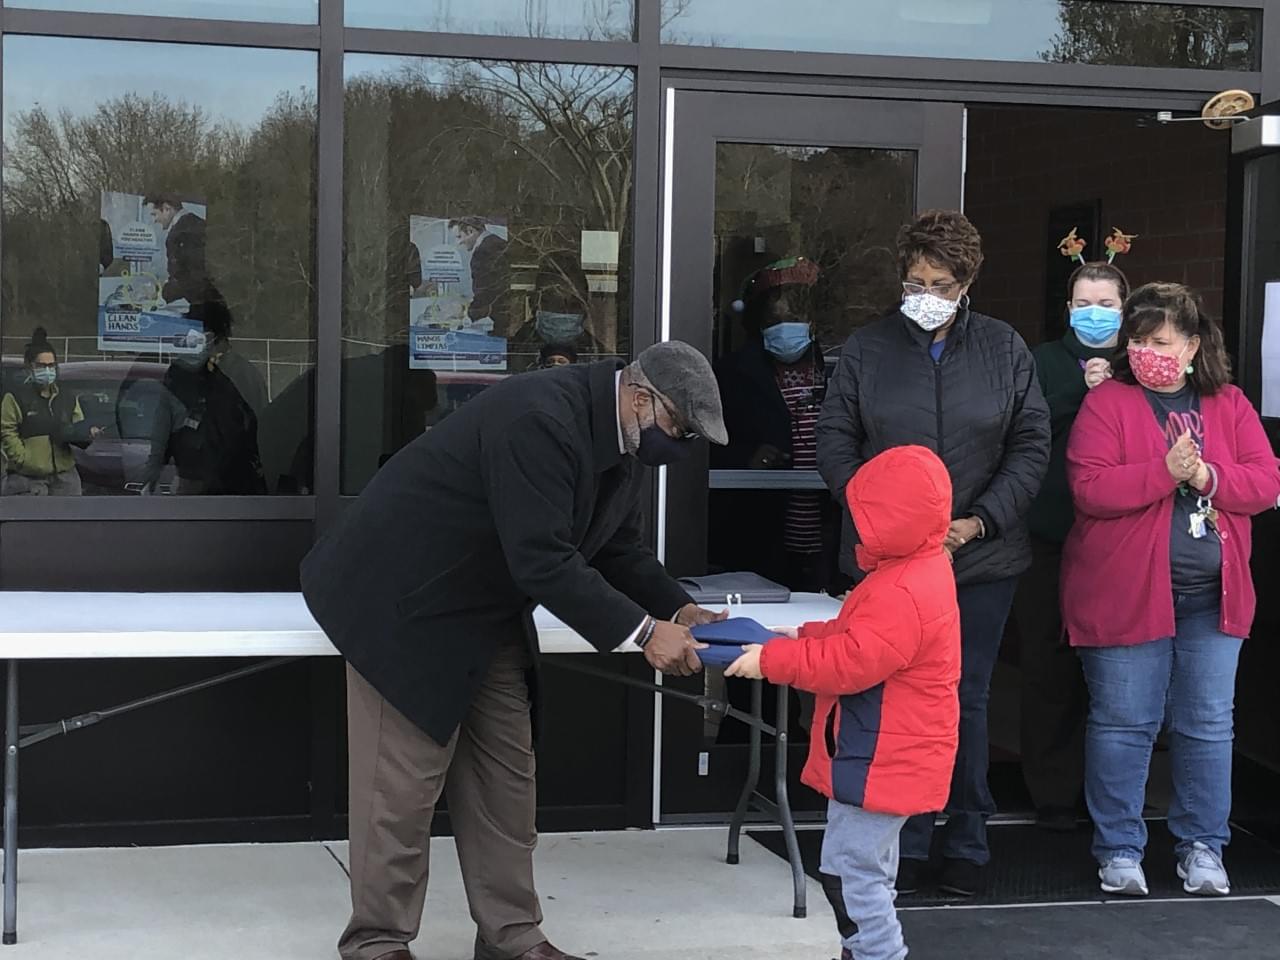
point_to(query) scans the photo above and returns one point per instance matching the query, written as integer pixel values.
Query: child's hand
(791, 633)
(747, 665)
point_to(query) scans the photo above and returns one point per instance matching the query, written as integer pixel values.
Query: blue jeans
(984, 608)
(1186, 681)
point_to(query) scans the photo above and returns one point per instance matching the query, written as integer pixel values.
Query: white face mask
(928, 310)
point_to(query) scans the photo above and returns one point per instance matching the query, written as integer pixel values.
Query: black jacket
(519, 498)
(755, 414)
(1060, 365)
(979, 408)
(185, 251)
(490, 284)
(754, 411)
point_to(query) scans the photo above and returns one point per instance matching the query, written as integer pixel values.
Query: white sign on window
(1271, 350)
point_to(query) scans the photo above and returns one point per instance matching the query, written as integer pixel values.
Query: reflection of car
(120, 397)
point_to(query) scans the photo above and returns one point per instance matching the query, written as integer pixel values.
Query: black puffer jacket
(979, 407)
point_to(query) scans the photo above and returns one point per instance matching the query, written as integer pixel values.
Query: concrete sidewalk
(616, 896)
(622, 896)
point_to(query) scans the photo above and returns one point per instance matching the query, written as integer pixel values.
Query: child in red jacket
(886, 673)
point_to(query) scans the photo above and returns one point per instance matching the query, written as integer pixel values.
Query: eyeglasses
(685, 433)
(938, 289)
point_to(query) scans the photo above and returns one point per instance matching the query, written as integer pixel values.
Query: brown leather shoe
(545, 951)
(396, 955)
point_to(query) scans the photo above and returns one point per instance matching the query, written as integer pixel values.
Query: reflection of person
(556, 355)
(184, 245)
(106, 247)
(772, 390)
(1054, 699)
(490, 286)
(385, 406)
(1157, 594)
(39, 424)
(885, 673)
(561, 309)
(207, 420)
(938, 374)
(529, 494)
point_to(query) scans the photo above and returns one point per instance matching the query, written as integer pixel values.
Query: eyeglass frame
(686, 433)
(912, 289)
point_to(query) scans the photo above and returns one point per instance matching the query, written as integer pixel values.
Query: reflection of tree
(598, 19)
(547, 147)
(1147, 34)
(258, 185)
(840, 207)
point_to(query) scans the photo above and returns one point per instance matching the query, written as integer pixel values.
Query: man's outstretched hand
(672, 650)
(690, 615)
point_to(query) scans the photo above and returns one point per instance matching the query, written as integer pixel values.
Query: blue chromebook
(727, 637)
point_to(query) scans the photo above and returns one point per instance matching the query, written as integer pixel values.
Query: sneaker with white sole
(1202, 872)
(1123, 875)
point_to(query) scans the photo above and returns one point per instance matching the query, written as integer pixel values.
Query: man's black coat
(521, 497)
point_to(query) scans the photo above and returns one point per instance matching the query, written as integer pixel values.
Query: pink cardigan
(1116, 588)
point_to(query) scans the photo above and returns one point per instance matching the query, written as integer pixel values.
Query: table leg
(11, 806)
(780, 746)
(753, 771)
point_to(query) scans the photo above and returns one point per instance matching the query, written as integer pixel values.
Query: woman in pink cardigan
(1167, 462)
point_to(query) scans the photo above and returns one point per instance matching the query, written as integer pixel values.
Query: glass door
(779, 211)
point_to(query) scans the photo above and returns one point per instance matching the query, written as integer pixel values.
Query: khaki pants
(487, 774)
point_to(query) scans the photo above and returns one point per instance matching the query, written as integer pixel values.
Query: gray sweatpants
(859, 869)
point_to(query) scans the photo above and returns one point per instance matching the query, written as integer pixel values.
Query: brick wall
(1166, 183)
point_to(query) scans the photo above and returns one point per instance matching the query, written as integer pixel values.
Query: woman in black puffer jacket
(938, 374)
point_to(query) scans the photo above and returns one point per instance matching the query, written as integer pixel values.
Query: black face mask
(658, 449)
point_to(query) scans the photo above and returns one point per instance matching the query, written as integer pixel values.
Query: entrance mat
(1136, 930)
(1030, 865)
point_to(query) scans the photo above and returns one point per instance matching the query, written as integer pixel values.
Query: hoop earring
(963, 302)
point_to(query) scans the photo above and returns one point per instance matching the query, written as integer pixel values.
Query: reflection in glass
(262, 11)
(487, 218)
(572, 19)
(1061, 31)
(804, 254)
(159, 226)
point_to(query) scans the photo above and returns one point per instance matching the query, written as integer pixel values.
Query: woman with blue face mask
(561, 316)
(772, 389)
(39, 423)
(1054, 698)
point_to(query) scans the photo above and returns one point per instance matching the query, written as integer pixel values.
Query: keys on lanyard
(1203, 519)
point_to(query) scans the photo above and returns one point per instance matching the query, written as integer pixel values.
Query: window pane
(572, 19)
(159, 227)
(803, 235)
(1059, 31)
(488, 210)
(266, 11)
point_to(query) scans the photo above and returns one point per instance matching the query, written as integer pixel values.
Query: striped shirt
(801, 387)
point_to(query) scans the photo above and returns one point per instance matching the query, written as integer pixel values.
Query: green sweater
(31, 427)
(1060, 365)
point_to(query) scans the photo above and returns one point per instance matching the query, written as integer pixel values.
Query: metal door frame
(694, 121)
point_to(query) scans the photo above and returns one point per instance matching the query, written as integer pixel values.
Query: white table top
(35, 626)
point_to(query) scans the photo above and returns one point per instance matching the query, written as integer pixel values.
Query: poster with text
(459, 282)
(151, 265)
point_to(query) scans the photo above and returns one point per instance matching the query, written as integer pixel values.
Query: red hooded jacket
(887, 669)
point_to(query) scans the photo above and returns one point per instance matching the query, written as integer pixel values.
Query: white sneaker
(1202, 872)
(1123, 875)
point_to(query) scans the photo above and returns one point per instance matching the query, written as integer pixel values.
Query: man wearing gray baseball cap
(529, 494)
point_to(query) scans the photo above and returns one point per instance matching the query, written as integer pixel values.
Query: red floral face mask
(1153, 369)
